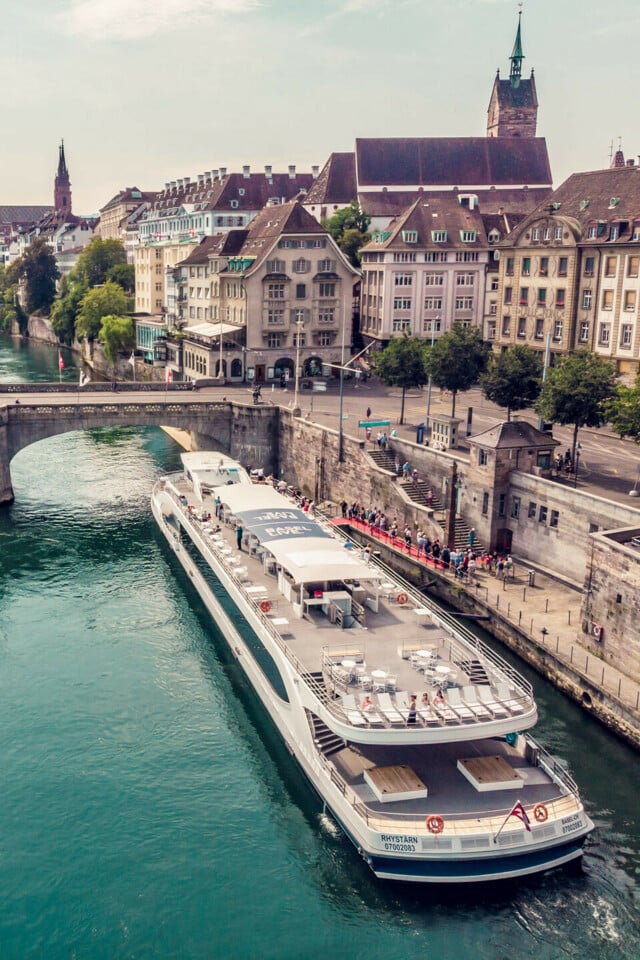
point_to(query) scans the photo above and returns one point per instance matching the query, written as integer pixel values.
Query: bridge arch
(246, 432)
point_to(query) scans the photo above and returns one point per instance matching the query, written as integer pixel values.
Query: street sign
(374, 423)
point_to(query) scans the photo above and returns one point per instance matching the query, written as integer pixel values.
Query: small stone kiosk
(444, 432)
(495, 454)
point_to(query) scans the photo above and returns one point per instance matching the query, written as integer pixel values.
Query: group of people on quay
(464, 563)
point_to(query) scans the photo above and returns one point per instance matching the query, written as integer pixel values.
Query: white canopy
(298, 543)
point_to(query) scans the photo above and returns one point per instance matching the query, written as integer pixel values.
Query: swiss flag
(60, 361)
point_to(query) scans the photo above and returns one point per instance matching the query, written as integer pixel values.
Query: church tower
(62, 186)
(513, 108)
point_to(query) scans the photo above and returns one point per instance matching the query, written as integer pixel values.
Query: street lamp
(575, 478)
(299, 324)
(433, 338)
(220, 375)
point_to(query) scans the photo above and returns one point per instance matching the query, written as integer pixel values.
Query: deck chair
(463, 711)
(487, 699)
(427, 714)
(444, 711)
(387, 709)
(506, 698)
(355, 718)
(470, 699)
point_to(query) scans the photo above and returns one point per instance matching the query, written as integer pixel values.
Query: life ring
(435, 824)
(540, 813)
(265, 606)
(402, 599)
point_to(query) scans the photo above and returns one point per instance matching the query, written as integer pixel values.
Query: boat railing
(554, 767)
(455, 629)
(469, 821)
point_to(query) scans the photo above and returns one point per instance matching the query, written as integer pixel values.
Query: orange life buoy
(265, 606)
(540, 813)
(435, 824)
(402, 599)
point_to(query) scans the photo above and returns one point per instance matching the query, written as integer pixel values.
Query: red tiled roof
(462, 161)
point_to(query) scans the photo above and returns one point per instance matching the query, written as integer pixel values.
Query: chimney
(180, 184)
(314, 172)
(246, 171)
(214, 175)
(200, 179)
(223, 172)
(267, 171)
(187, 181)
(174, 184)
(292, 172)
(631, 162)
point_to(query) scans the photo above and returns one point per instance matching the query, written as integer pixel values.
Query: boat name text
(399, 844)
(569, 824)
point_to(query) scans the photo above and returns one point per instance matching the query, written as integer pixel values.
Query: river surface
(147, 808)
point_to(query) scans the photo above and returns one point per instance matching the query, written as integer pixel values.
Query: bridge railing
(97, 386)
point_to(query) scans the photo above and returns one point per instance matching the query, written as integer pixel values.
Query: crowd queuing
(464, 563)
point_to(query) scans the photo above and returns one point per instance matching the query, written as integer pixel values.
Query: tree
(38, 270)
(513, 379)
(123, 274)
(623, 411)
(97, 258)
(457, 360)
(575, 392)
(118, 335)
(10, 310)
(100, 302)
(401, 364)
(65, 308)
(349, 227)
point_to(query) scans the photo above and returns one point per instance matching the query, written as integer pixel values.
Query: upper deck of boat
(373, 639)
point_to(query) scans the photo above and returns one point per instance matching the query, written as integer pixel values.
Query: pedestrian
(429, 497)
(411, 714)
(414, 477)
(406, 470)
(239, 532)
(343, 507)
(397, 465)
(445, 557)
(472, 537)
(368, 414)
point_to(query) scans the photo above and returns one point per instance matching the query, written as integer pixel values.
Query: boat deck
(394, 649)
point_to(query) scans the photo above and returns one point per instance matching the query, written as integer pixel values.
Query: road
(608, 466)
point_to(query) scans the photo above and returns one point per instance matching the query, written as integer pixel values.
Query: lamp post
(299, 324)
(577, 464)
(220, 374)
(433, 338)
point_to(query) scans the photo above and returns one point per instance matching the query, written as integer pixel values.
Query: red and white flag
(520, 812)
(169, 375)
(60, 361)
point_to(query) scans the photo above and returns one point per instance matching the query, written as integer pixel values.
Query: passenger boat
(445, 788)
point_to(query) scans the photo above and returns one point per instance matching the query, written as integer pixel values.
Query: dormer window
(493, 237)
(468, 236)
(410, 236)
(234, 204)
(584, 204)
(592, 232)
(439, 236)
(614, 202)
(614, 233)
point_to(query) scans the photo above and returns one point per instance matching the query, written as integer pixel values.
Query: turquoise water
(148, 809)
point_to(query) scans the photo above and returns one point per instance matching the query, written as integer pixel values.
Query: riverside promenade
(537, 614)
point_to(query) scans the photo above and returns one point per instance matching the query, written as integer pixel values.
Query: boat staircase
(418, 493)
(474, 670)
(325, 739)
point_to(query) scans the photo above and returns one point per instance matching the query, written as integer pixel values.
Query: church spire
(517, 56)
(62, 185)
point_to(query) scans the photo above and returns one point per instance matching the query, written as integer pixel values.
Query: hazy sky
(145, 91)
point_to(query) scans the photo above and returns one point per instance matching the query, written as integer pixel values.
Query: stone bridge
(244, 431)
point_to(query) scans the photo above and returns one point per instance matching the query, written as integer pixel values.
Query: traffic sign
(374, 423)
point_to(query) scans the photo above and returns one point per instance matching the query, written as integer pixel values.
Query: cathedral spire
(517, 56)
(62, 185)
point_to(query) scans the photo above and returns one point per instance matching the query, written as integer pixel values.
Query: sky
(145, 91)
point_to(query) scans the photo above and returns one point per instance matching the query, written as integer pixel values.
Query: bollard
(546, 605)
(508, 609)
(571, 658)
(569, 612)
(520, 618)
(524, 594)
(637, 698)
(586, 665)
(497, 601)
(602, 681)
(557, 644)
(619, 687)
(531, 629)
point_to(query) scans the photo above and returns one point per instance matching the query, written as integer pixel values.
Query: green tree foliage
(123, 274)
(513, 379)
(457, 360)
(10, 310)
(108, 300)
(349, 227)
(97, 259)
(623, 411)
(65, 308)
(118, 335)
(39, 272)
(401, 364)
(576, 391)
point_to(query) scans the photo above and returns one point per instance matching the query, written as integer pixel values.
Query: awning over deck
(296, 541)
